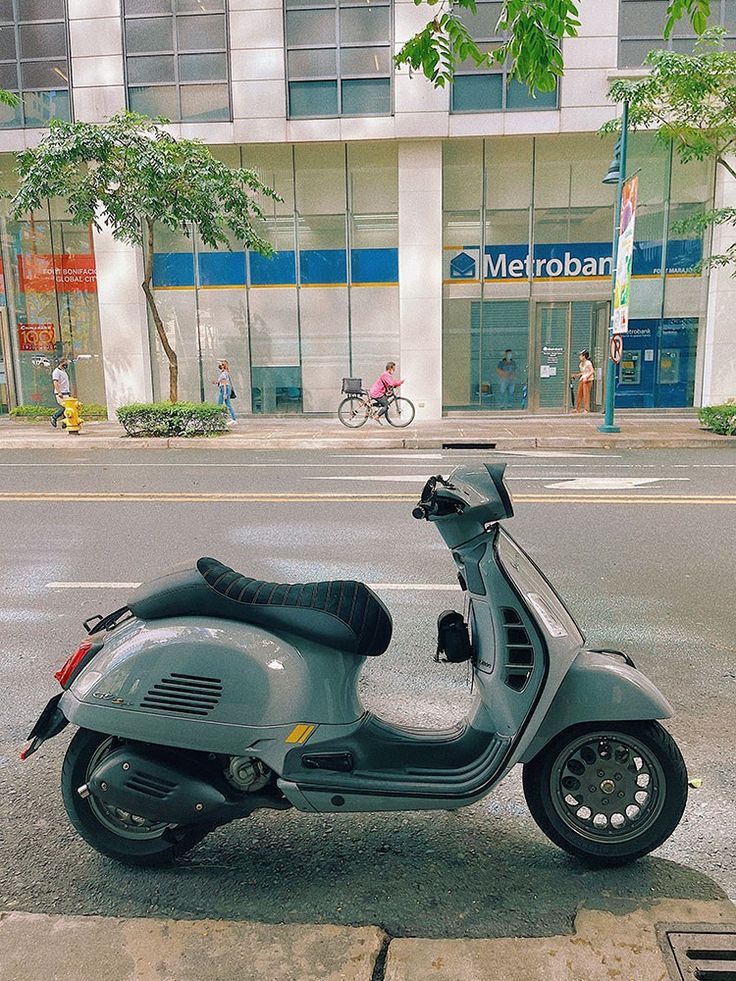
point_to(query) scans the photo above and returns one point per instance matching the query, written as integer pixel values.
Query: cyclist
(380, 389)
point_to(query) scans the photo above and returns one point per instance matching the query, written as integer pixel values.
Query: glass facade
(176, 59)
(338, 57)
(527, 242)
(48, 308)
(325, 306)
(34, 61)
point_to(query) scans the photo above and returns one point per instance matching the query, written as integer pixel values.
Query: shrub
(719, 418)
(33, 412)
(171, 419)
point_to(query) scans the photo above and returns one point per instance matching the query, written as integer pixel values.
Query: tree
(534, 30)
(130, 175)
(690, 100)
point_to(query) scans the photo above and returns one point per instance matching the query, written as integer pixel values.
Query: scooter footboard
(600, 686)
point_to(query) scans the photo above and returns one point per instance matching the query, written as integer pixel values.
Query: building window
(641, 26)
(34, 61)
(338, 56)
(491, 89)
(176, 59)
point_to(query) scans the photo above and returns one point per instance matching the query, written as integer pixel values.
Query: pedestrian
(383, 386)
(586, 376)
(62, 388)
(506, 371)
(226, 392)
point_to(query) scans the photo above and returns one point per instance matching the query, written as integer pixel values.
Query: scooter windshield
(538, 593)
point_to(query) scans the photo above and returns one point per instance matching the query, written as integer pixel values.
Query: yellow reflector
(300, 733)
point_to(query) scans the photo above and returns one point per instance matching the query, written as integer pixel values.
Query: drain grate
(464, 445)
(699, 951)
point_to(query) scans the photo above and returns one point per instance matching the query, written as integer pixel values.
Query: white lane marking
(609, 483)
(399, 478)
(558, 454)
(388, 456)
(409, 586)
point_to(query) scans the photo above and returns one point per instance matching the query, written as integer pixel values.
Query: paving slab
(36, 947)
(604, 947)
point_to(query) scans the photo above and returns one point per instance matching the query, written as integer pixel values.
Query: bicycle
(358, 407)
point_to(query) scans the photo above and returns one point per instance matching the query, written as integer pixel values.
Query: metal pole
(608, 426)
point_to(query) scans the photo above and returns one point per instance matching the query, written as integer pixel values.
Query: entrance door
(562, 330)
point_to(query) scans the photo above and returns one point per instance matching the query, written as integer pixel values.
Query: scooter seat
(343, 614)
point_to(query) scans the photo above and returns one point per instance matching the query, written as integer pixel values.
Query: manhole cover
(699, 951)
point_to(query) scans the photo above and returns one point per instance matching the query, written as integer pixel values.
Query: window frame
(336, 6)
(669, 44)
(19, 61)
(175, 52)
(501, 70)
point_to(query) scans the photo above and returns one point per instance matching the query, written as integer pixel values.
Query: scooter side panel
(597, 688)
(210, 684)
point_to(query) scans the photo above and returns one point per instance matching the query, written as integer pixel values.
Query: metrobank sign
(569, 261)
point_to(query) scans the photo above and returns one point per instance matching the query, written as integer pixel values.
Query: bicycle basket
(352, 386)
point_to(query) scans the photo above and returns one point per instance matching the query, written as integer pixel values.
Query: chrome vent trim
(185, 694)
(519, 650)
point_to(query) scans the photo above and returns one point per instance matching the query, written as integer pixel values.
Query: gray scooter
(211, 695)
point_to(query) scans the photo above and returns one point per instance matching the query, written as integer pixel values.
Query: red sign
(62, 273)
(617, 346)
(36, 337)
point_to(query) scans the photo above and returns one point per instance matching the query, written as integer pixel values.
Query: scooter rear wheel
(608, 792)
(129, 838)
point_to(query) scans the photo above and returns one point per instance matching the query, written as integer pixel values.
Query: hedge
(171, 419)
(719, 418)
(39, 412)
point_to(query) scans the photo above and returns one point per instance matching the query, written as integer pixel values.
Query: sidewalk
(637, 946)
(638, 429)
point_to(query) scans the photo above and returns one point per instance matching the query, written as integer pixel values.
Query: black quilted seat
(342, 614)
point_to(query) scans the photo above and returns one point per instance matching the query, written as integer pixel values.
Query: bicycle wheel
(353, 412)
(400, 413)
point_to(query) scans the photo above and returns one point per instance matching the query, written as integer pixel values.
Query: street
(640, 544)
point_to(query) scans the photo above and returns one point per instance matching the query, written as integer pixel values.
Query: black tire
(400, 413)
(567, 789)
(134, 843)
(353, 412)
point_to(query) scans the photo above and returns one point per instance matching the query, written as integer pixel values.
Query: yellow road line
(187, 497)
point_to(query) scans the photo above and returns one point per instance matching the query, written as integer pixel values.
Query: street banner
(36, 337)
(64, 273)
(622, 284)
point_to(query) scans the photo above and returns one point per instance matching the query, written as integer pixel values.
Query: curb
(603, 946)
(266, 443)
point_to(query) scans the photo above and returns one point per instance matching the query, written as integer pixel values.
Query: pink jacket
(382, 385)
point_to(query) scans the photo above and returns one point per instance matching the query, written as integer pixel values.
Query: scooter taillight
(65, 672)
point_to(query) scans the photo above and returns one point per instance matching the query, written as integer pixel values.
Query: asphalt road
(641, 544)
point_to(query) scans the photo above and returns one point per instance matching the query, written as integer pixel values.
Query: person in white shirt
(62, 388)
(586, 376)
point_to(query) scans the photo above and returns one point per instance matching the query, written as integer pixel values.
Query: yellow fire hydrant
(72, 420)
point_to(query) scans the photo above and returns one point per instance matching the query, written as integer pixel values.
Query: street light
(616, 175)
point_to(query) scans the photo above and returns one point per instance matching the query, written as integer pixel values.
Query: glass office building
(463, 232)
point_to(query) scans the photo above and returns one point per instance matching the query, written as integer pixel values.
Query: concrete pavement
(633, 946)
(679, 429)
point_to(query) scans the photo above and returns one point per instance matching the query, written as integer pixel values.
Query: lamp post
(616, 175)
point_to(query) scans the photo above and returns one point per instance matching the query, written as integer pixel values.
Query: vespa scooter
(211, 694)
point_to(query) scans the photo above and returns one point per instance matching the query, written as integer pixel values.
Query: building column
(97, 58)
(719, 350)
(420, 274)
(123, 322)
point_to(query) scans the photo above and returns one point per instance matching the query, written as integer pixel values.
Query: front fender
(599, 687)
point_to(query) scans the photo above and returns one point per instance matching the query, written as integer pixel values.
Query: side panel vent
(519, 650)
(150, 785)
(184, 694)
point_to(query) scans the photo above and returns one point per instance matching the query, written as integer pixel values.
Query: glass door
(562, 331)
(552, 343)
